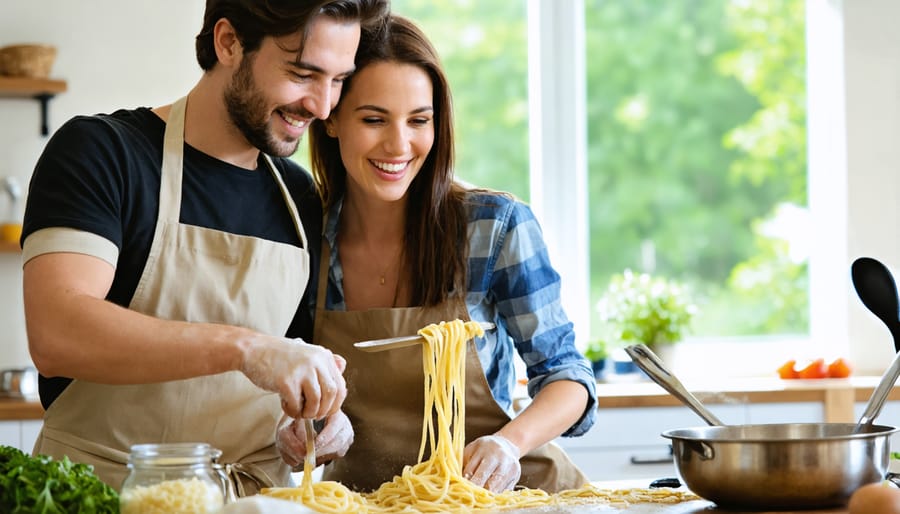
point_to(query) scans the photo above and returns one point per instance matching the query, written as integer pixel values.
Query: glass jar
(174, 478)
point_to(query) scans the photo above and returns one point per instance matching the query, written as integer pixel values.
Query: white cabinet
(890, 415)
(793, 412)
(20, 434)
(10, 434)
(30, 431)
(626, 443)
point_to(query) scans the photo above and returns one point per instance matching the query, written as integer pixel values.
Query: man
(165, 256)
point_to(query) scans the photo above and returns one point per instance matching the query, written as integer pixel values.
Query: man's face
(272, 97)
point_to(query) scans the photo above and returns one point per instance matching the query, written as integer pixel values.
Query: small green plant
(597, 350)
(639, 308)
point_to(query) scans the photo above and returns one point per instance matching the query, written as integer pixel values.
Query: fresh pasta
(437, 484)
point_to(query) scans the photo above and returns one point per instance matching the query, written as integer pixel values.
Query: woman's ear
(228, 46)
(329, 128)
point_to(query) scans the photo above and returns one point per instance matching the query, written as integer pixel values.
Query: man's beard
(247, 109)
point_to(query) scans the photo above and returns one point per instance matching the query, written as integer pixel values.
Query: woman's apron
(192, 274)
(386, 398)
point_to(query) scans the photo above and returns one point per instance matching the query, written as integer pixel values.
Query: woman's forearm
(556, 407)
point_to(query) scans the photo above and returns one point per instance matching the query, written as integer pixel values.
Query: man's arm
(74, 332)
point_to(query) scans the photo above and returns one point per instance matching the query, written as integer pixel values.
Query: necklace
(382, 277)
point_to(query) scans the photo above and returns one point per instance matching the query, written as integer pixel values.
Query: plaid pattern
(512, 284)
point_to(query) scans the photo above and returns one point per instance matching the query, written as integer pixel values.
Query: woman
(407, 246)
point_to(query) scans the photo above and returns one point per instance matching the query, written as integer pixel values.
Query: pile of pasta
(437, 484)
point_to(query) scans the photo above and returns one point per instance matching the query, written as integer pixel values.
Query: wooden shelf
(7, 247)
(41, 90)
(30, 87)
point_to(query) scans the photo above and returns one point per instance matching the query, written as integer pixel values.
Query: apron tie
(237, 473)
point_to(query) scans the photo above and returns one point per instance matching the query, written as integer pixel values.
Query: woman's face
(385, 127)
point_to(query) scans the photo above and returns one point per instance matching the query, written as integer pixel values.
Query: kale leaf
(41, 485)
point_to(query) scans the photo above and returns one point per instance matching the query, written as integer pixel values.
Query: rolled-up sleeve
(526, 289)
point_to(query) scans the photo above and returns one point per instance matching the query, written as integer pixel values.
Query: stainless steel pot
(780, 466)
(18, 383)
(774, 466)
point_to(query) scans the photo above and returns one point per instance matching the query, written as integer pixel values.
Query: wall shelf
(7, 247)
(42, 90)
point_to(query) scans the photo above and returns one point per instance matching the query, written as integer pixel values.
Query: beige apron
(385, 397)
(199, 275)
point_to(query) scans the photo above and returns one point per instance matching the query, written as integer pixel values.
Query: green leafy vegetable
(41, 485)
(895, 455)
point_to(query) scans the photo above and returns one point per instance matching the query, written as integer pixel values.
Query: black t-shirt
(101, 174)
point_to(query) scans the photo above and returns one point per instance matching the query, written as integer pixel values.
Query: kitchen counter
(689, 507)
(838, 395)
(20, 409)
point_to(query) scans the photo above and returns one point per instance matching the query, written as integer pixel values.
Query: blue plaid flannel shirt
(512, 284)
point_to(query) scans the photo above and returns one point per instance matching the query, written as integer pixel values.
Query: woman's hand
(332, 441)
(492, 462)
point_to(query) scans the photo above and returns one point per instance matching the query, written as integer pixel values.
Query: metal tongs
(380, 345)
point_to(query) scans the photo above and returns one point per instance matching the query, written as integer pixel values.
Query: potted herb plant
(640, 308)
(597, 352)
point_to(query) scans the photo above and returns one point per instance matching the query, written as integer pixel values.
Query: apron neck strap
(173, 159)
(172, 166)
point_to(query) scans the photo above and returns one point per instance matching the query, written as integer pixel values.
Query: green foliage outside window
(696, 138)
(696, 130)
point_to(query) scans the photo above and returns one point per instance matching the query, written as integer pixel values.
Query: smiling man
(166, 256)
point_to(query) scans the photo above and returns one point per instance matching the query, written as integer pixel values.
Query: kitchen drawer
(29, 434)
(20, 434)
(794, 412)
(890, 415)
(642, 426)
(10, 433)
(624, 462)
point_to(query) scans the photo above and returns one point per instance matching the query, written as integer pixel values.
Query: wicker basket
(33, 61)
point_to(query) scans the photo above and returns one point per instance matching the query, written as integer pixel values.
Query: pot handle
(705, 451)
(893, 478)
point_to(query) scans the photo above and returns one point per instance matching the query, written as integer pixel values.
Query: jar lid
(173, 454)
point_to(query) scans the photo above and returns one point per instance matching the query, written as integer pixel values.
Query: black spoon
(876, 288)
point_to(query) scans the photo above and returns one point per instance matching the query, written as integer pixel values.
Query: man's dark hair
(254, 20)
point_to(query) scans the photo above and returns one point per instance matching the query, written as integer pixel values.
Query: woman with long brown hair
(404, 246)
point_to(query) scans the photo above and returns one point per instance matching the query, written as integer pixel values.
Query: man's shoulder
(296, 177)
(122, 125)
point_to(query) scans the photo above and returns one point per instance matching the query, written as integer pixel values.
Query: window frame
(847, 46)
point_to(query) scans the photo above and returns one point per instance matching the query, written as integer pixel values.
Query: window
(696, 116)
(672, 137)
(483, 48)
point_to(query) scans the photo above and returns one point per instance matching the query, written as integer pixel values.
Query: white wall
(126, 54)
(872, 58)
(113, 54)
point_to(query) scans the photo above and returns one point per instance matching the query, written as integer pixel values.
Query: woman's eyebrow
(382, 110)
(303, 65)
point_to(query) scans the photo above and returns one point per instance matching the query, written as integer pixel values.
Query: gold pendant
(382, 279)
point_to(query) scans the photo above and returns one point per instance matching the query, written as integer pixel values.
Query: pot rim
(720, 434)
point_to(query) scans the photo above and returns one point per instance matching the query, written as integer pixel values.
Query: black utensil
(876, 288)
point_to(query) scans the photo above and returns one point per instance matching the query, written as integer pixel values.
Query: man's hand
(332, 441)
(492, 462)
(307, 377)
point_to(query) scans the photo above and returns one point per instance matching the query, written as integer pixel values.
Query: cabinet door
(630, 462)
(10, 434)
(30, 430)
(626, 442)
(786, 412)
(890, 416)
